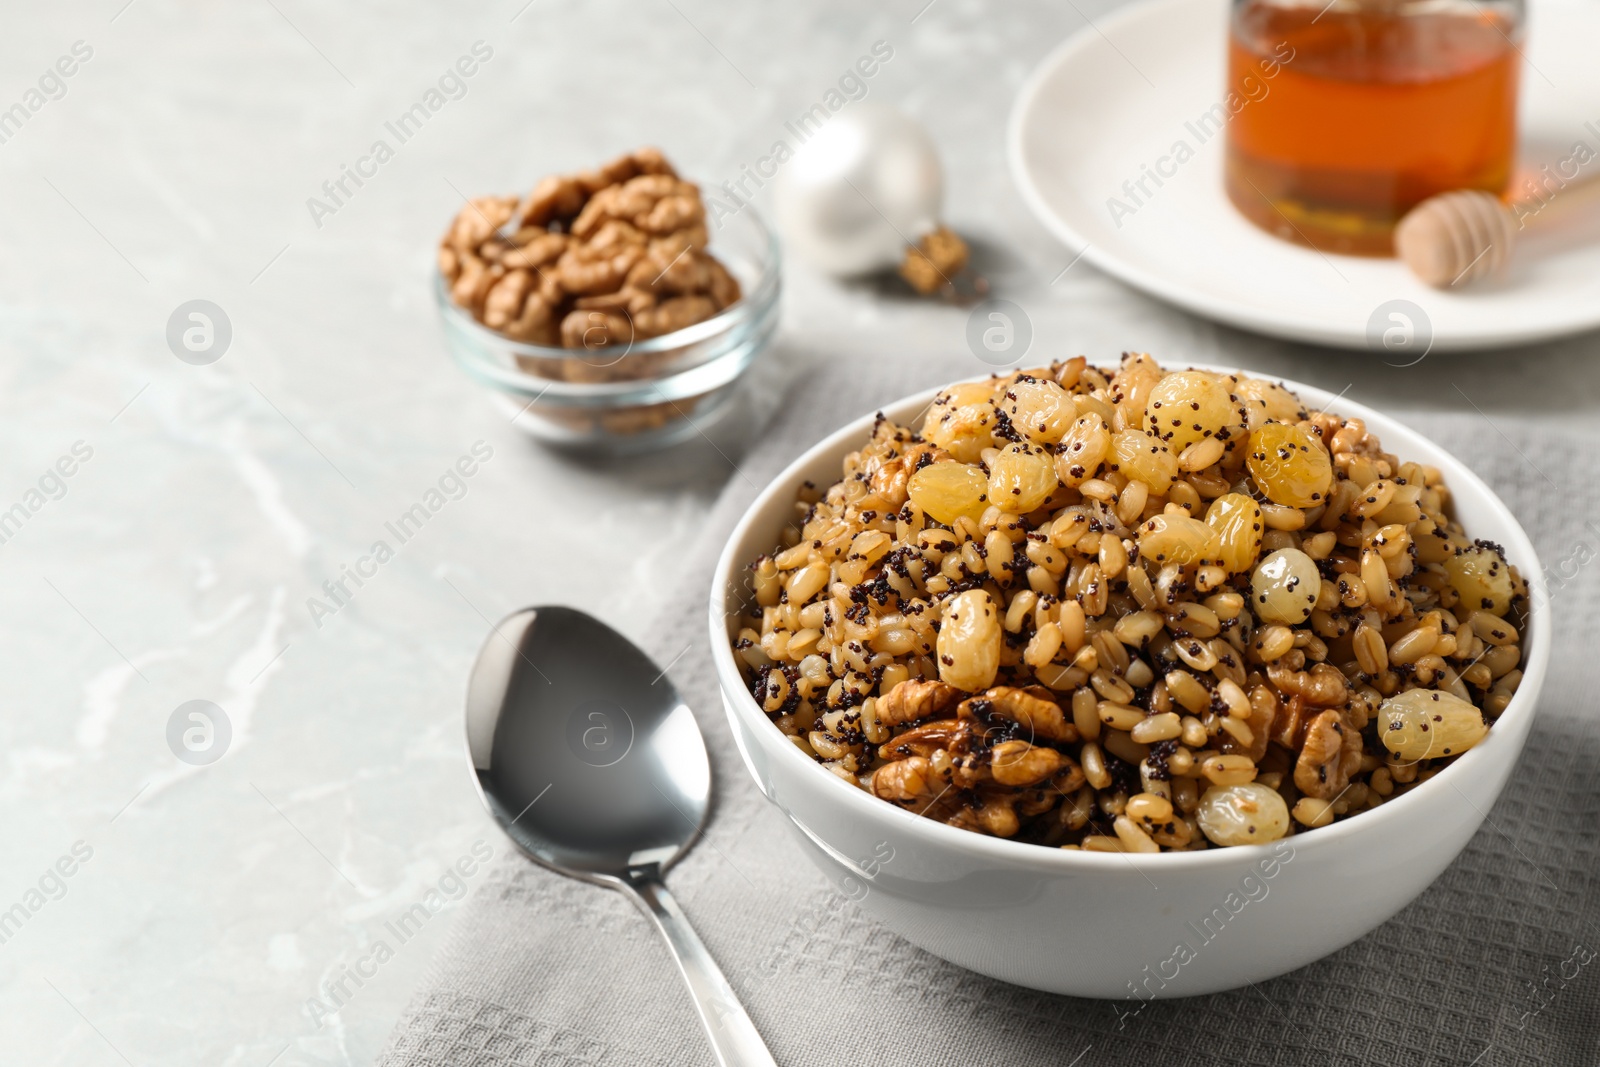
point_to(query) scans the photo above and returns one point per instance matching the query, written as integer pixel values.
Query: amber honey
(1378, 106)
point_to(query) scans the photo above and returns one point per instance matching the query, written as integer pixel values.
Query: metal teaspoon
(595, 768)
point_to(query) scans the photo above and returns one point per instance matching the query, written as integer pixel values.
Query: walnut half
(1332, 753)
(916, 699)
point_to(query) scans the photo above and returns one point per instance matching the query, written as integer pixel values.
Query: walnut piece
(948, 734)
(1041, 716)
(916, 699)
(934, 261)
(1017, 763)
(913, 783)
(1331, 754)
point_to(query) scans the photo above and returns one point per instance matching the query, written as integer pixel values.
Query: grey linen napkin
(1493, 965)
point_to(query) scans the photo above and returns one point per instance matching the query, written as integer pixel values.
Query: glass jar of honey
(1354, 112)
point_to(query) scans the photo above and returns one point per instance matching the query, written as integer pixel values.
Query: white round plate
(1114, 99)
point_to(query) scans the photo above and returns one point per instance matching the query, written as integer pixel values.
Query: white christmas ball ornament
(860, 190)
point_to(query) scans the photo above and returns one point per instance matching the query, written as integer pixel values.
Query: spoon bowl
(583, 750)
(595, 768)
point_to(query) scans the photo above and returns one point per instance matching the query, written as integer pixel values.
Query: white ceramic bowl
(1113, 925)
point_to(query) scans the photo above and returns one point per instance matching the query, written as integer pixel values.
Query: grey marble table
(207, 906)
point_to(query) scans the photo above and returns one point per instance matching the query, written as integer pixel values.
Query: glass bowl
(639, 396)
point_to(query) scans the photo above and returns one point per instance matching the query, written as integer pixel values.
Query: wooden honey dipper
(1456, 238)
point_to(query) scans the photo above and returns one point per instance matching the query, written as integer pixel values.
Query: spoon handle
(733, 1036)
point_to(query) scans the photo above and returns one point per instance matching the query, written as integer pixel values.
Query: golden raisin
(1248, 813)
(1481, 578)
(1285, 587)
(947, 491)
(1290, 465)
(1081, 449)
(1267, 401)
(1237, 520)
(969, 641)
(1021, 478)
(1429, 723)
(1189, 406)
(1142, 457)
(1177, 538)
(1039, 409)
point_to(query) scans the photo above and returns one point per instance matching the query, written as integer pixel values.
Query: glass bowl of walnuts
(599, 309)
